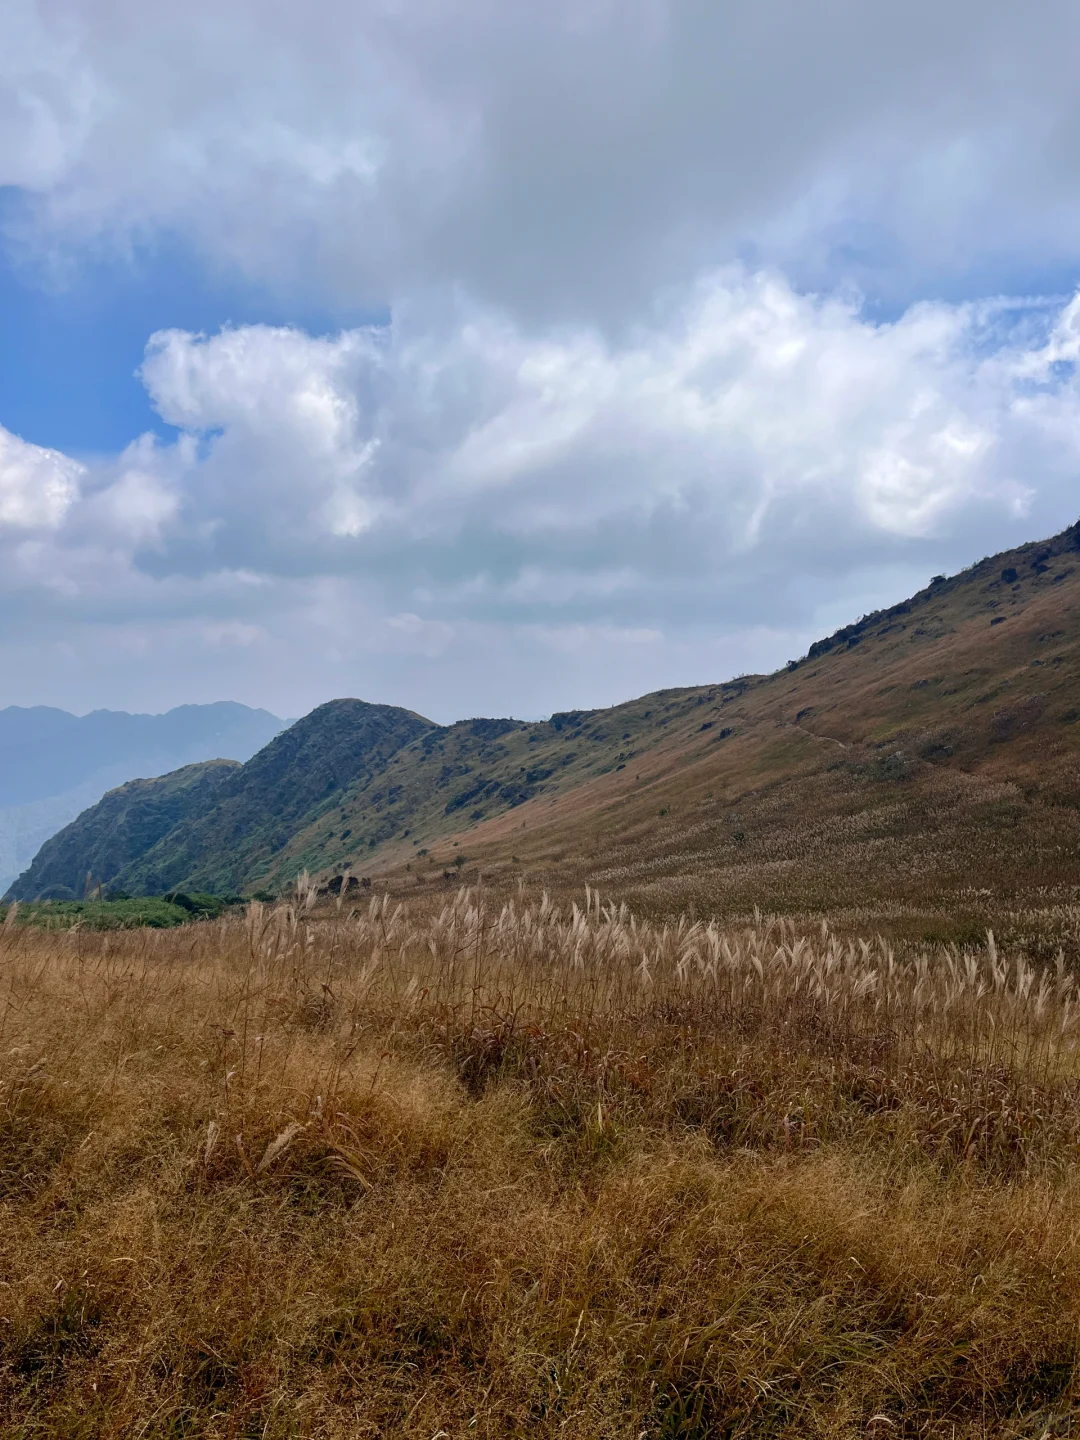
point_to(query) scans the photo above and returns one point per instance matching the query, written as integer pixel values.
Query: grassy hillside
(534, 1170)
(922, 764)
(777, 1143)
(125, 824)
(239, 840)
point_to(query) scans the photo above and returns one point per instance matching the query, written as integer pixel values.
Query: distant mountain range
(929, 753)
(54, 765)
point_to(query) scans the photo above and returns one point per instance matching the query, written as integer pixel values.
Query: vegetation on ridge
(919, 772)
(210, 827)
(123, 825)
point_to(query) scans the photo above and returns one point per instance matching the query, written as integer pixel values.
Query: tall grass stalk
(533, 1169)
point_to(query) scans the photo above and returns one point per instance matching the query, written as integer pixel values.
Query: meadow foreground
(509, 1169)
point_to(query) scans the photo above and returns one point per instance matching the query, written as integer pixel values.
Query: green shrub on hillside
(201, 906)
(122, 912)
(99, 914)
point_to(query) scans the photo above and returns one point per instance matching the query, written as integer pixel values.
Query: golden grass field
(501, 1167)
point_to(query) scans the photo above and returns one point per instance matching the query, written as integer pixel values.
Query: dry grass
(533, 1170)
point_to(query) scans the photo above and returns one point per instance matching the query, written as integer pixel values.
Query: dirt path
(829, 739)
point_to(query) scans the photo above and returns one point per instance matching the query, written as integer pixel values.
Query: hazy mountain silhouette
(54, 765)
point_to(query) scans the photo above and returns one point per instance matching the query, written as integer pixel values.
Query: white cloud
(383, 498)
(37, 486)
(489, 461)
(290, 425)
(587, 439)
(137, 506)
(561, 159)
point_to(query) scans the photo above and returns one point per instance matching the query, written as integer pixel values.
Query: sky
(500, 358)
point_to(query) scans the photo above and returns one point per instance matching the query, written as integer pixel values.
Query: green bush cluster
(123, 912)
(199, 905)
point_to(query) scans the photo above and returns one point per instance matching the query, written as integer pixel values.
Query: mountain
(229, 823)
(54, 765)
(922, 763)
(123, 826)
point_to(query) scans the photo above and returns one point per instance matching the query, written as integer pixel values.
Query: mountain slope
(924, 762)
(123, 825)
(925, 759)
(931, 748)
(53, 765)
(238, 841)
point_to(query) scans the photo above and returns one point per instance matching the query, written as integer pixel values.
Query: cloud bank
(564, 159)
(403, 492)
(664, 383)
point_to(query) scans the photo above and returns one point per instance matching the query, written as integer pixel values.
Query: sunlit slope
(448, 782)
(924, 755)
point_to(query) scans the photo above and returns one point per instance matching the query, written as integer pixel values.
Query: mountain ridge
(54, 765)
(45, 751)
(873, 764)
(332, 746)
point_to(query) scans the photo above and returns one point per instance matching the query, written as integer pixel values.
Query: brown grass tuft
(535, 1170)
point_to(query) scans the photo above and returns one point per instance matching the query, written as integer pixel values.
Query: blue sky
(75, 333)
(501, 359)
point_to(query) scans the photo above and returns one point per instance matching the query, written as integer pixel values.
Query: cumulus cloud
(587, 452)
(564, 158)
(394, 493)
(485, 466)
(37, 486)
